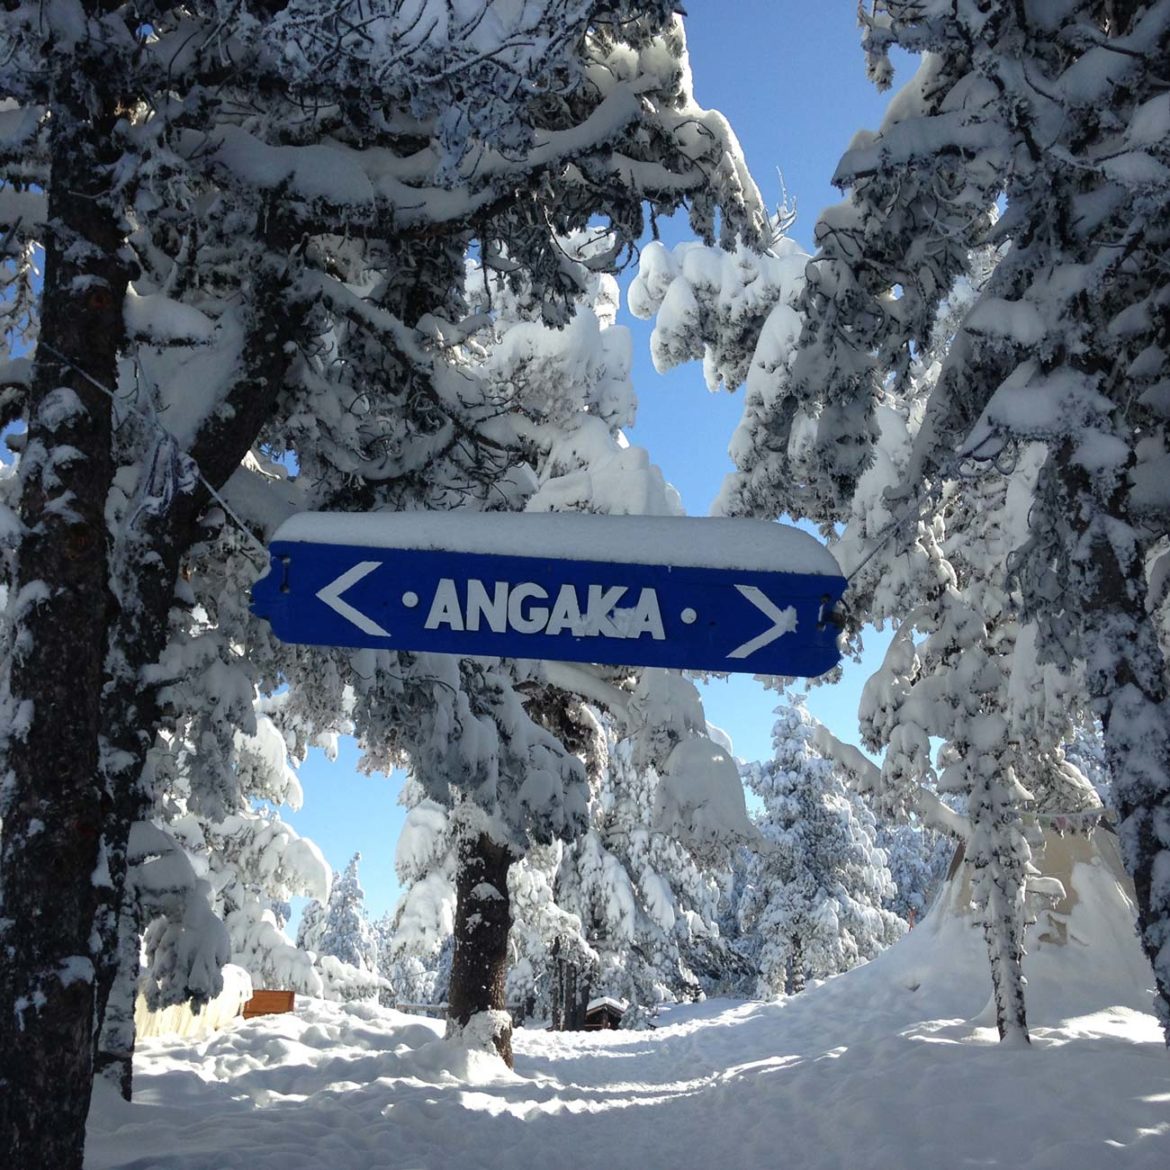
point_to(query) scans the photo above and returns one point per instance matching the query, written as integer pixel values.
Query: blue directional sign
(467, 601)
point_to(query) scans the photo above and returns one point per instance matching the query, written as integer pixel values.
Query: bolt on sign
(687, 592)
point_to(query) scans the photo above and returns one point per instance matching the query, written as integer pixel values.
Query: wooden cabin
(604, 1014)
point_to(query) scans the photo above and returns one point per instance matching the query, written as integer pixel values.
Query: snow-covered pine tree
(917, 858)
(229, 238)
(960, 668)
(574, 389)
(666, 810)
(342, 939)
(815, 892)
(1065, 345)
(564, 392)
(343, 930)
(738, 968)
(551, 966)
(583, 463)
(420, 932)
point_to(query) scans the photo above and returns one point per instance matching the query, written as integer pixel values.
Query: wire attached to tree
(176, 455)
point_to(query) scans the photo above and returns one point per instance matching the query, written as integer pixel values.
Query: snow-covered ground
(890, 1067)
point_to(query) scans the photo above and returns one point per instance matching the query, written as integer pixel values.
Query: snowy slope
(885, 1068)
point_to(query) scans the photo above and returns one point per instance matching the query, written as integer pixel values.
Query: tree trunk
(114, 1058)
(570, 991)
(1135, 720)
(482, 920)
(563, 977)
(52, 867)
(85, 623)
(999, 858)
(794, 967)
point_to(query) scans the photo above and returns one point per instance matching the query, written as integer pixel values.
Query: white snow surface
(700, 542)
(891, 1067)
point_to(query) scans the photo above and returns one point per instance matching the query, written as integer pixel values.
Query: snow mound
(180, 1020)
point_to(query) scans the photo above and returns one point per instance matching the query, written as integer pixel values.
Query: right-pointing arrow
(784, 621)
(332, 592)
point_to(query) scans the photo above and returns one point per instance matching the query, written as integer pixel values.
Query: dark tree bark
(54, 804)
(794, 967)
(114, 1056)
(482, 920)
(570, 992)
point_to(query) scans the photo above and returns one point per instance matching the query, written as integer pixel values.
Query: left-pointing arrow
(332, 592)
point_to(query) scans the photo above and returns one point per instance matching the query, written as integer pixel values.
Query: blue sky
(790, 78)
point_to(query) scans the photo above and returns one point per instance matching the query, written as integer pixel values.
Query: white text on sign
(527, 608)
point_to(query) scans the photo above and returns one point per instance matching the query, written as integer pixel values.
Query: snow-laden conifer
(645, 904)
(240, 261)
(815, 893)
(917, 858)
(1064, 346)
(342, 939)
(215, 794)
(416, 940)
(968, 663)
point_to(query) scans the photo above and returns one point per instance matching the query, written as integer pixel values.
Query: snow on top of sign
(698, 542)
